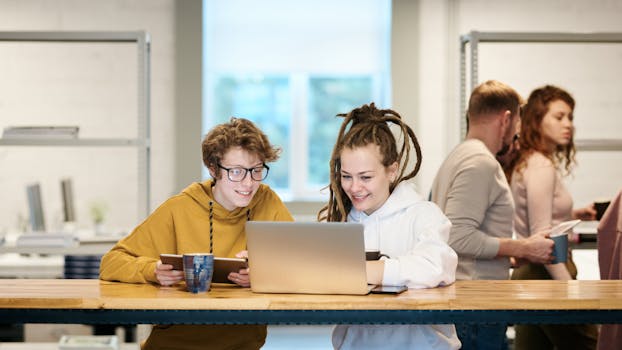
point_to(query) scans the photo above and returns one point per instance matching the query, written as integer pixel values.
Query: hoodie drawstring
(211, 225)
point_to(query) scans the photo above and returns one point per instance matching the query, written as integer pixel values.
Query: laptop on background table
(306, 257)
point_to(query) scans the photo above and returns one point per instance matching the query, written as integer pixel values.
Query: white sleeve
(428, 261)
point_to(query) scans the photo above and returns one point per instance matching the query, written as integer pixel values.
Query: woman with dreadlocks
(368, 185)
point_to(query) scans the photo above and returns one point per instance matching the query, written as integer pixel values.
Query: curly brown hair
(531, 137)
(238, 132)
(362, 126)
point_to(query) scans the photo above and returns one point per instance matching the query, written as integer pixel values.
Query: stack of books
(27, 132)
(88, 342)
(44, 239)
(81, 266)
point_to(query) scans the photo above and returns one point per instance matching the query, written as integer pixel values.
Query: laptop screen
(308, 257)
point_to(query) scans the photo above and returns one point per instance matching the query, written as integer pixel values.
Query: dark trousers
(552, 336)
(482, 337)
(555, 336)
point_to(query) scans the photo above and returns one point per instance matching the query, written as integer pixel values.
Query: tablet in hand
(173, 259)
(224, 266)
(561, 228)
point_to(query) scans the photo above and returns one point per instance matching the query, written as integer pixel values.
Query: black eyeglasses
(238, 174)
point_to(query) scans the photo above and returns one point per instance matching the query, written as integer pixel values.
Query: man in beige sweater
(471, 189)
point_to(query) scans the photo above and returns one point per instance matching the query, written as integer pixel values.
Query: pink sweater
(540, 197)
(610, 261)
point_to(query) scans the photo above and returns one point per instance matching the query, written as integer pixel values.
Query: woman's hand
(558, 271)
(587, 214)
(242, 277)
(517, 262)
(166, 275)
(375, 271)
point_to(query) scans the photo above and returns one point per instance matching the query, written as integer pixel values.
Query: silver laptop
(308, 257)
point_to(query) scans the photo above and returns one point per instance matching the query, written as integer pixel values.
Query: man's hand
(538, 248)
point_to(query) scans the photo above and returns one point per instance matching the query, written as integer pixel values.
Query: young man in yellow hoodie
(205, 217)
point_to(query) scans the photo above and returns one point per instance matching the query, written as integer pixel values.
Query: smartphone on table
(380, 289)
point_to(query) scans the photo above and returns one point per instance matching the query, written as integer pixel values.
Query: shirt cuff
(391, 275)
(491, 248)
(149, 272)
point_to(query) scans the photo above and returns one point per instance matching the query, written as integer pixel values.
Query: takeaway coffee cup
(601, 207)
(198, 271)
(560, 249)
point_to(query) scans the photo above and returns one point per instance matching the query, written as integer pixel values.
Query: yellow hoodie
(182, 225)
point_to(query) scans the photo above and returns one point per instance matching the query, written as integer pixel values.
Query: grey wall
(188, 92)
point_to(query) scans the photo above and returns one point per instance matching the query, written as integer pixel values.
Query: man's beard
(505, 148)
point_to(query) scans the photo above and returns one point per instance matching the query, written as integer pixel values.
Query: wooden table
(100, 302)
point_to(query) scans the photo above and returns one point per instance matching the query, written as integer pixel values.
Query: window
(291, 67)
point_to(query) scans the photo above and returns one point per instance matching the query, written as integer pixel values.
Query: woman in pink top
(542, 201)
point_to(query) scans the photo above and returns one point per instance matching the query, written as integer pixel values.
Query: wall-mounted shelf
(599, 144)
(74, 142)
(142, 141)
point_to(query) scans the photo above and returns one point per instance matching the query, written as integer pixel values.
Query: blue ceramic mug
(198, 271)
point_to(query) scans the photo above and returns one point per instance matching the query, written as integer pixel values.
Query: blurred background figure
(546, 154)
